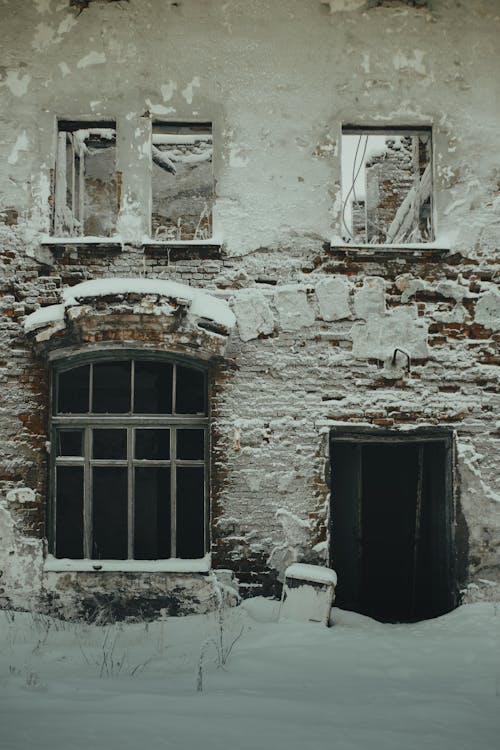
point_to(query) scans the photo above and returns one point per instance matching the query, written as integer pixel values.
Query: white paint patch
(66, 25)
(339, 6)
(159, 109)
(188, 92)
(64, 68)
(43, 38)
(402, 62)
(17, 84)
(21, 144)
(237, 158)
(167, 90)
(366, 62)
(93, 58)
(42, 6)
(94, 105)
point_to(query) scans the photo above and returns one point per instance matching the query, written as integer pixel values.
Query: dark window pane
(69, 512)
(190, 391)
(109, 513)
(191, 444)
(153, 388)
(111, 393)
(69, 443)
(73, 391)
(190, 511)
(111, 444)
(152, 513)
(152, 444)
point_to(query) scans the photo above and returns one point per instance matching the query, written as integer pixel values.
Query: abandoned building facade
(249, 298)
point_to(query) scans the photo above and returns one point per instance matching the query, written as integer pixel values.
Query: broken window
(387, 185)
(129, 441)
(86, 185)
(182, 181)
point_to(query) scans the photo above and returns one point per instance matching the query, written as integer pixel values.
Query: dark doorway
(392, 520)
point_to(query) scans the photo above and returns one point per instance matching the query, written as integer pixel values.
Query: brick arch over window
(138, 312)
(129, 470)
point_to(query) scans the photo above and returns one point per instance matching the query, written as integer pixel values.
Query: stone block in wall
(381, 334)
(333, 299)
(293, 309)
(369, 300)
(253, 314)
(488, 309)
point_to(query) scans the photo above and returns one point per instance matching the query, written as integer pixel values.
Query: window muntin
(86, 190)
(387, 185)
(182, 181)
(130, 484)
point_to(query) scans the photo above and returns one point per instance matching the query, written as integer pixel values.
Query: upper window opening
(131, 387)
(182, 181)
(86, 189)
(387, 185)
(130, 458)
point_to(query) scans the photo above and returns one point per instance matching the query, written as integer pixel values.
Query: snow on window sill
(172, 565)
(117, 239)
(436, 245)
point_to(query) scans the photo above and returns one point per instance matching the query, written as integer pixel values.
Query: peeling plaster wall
(317, 325)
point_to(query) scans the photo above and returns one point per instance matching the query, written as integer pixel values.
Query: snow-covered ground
(359, 684)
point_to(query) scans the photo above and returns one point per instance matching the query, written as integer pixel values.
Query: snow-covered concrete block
(333, 299)
(253, 314)
(308, 593)
(488, 309)
(293, 309)
(379, 336)
(369, 300)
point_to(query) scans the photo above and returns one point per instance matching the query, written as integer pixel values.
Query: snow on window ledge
(346, 245)
(118, 240)
(173, 565)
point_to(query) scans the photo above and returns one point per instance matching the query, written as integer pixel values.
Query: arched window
(129, 439)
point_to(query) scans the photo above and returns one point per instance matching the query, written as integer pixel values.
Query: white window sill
(345, 245)
(173, 565)
(116, 239)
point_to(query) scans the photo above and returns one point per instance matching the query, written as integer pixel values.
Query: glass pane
(152, 513)
(73, 391)
(69, 512)
(190, 511)
(109, 443)
(153, 388)
(191, 444)
(69, 443)
(109, 513)
(152, 444)
(190, 391)
(111, 394)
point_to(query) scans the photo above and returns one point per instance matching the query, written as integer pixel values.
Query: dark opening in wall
(392, 525)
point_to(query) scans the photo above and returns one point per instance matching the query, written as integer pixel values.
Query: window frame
(202, 125)
(65, 128)
(389, 129)
(88, 422)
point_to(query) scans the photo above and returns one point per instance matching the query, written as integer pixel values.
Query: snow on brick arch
(200, 303)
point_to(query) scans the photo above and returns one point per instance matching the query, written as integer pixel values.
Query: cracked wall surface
(318, 321)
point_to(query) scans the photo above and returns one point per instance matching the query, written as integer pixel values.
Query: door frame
(362, 435)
